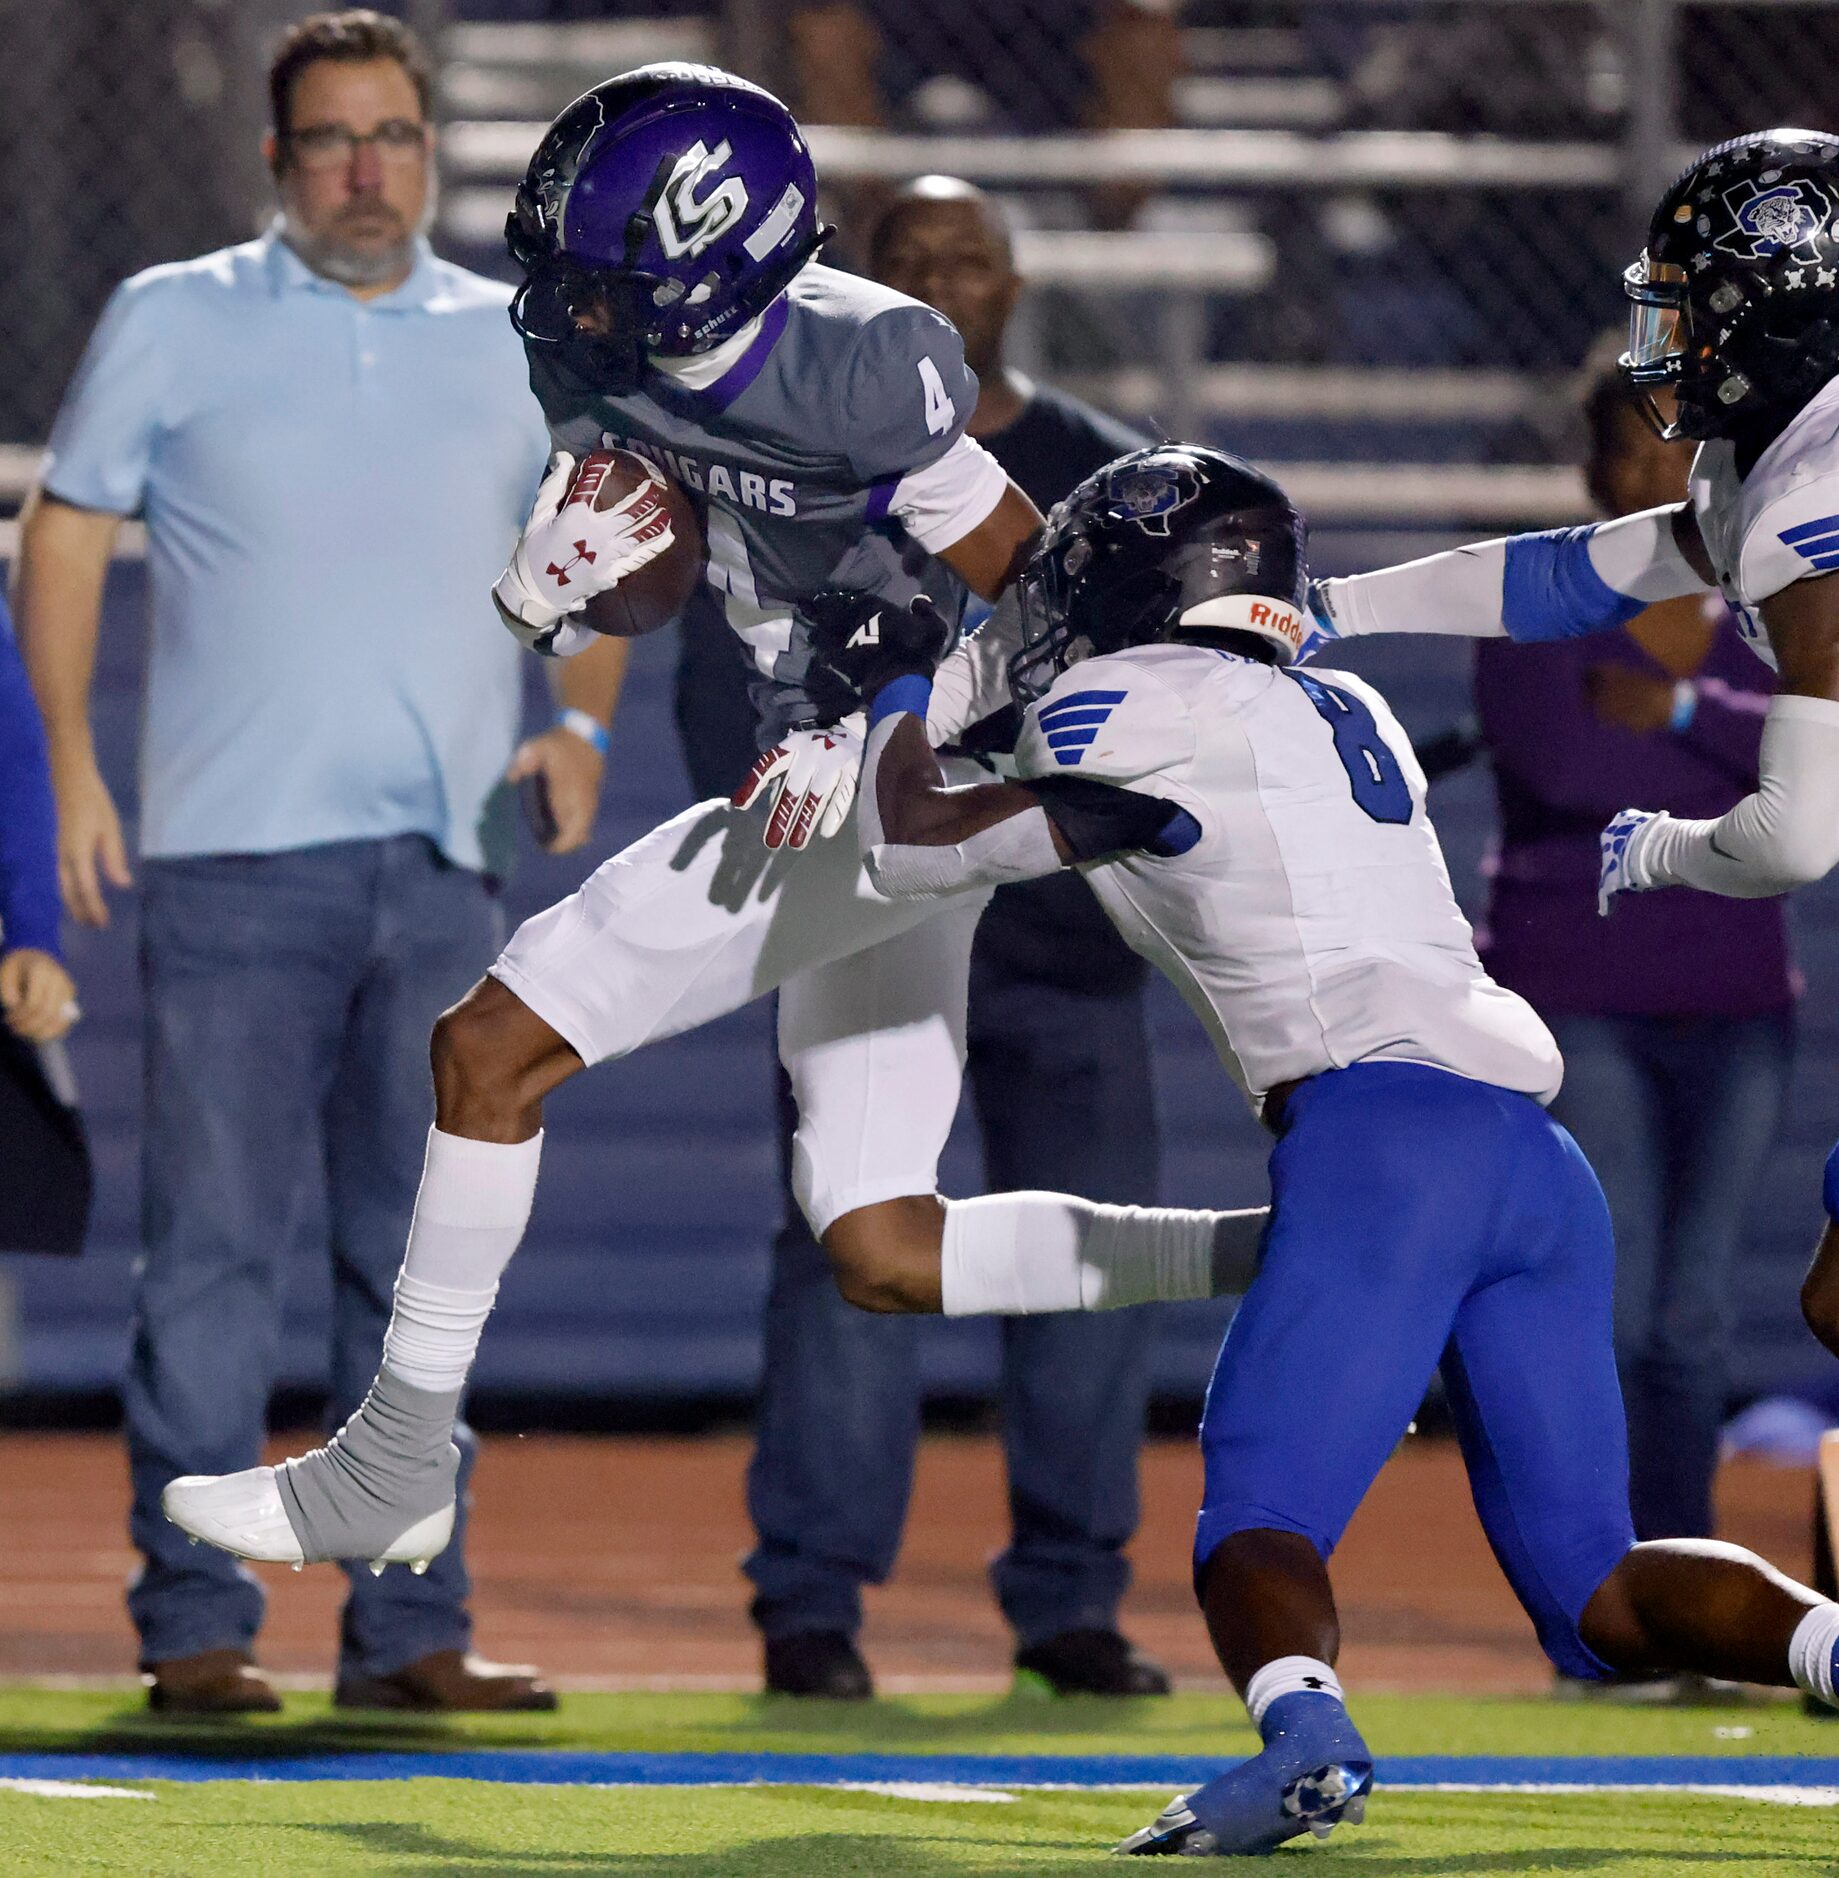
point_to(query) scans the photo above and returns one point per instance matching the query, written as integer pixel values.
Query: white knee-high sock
(469, 1216)
(1014, 1254)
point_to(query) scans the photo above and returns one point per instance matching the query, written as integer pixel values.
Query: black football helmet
(1736, 296)
(1174, 542)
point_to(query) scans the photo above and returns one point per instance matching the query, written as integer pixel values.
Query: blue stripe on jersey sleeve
(1805, 531)
(1071, 723)
(1077, 698)
(1815, 542)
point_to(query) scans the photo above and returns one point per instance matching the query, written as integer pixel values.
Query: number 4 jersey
(1310, 924)
(829, 451)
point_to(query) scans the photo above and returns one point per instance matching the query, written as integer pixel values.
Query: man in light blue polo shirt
(331, 439)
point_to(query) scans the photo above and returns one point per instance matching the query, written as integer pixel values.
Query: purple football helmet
(662, 211)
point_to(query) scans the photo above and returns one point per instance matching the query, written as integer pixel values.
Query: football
(653, 595)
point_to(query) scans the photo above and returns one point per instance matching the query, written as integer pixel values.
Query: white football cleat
(240, 1514)
(244, 1515)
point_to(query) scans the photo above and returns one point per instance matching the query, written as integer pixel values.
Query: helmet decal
(1151, 494)
(1770, 216)
(686, 222)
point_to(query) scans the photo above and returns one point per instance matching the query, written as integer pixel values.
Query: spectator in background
(37, 999)
(330, 436)
(1035, 65)
(1675, 1015)
(1059, 1071)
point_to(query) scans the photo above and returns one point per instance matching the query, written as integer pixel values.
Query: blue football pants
(1420, 1217)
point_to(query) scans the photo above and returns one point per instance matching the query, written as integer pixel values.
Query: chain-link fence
(1353, 231)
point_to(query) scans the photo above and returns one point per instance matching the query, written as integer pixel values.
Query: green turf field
(197, 1829)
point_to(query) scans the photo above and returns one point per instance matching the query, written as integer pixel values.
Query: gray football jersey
(792, 457)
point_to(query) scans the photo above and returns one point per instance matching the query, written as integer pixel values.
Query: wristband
(1685, 705)
(1831, 1192)
(587, 727)
(911, 691)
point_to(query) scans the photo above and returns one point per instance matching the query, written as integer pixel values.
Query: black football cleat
(822, 1663)
(1088, 1662)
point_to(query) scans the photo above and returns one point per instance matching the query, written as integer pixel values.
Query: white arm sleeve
(1784, 836)
(1469, 591)
(1020, 848)
(974, 681)
(943, 502)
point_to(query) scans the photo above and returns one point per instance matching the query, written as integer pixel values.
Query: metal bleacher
(1258, 124)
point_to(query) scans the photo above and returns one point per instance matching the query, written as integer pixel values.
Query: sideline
(1808, 1780)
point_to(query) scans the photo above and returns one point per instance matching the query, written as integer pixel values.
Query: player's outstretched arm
(1786, 834)
(1562, 583)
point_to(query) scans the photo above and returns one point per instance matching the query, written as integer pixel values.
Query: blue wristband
(908, 692)
(587, 727)
(1685, 705)
(1830, 1194)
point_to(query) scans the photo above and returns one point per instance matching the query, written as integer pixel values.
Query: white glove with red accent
(570, 550)
(810, 779)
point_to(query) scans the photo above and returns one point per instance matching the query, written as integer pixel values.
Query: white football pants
(697, 918)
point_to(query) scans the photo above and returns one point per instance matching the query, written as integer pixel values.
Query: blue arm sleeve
(1831, 1193)
(1551, 590)
(29, 906)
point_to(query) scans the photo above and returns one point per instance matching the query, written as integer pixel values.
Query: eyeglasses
(332, 146)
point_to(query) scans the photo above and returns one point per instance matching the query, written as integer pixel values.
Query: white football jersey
(1312, 924)
(1778, 524)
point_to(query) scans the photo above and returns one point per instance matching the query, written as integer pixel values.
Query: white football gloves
(569, 551)
(810, 780)
(1621, 869)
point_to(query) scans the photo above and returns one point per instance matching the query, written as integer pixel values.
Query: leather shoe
(214, 1682)
(822, 1663)
(1090, 1662)
(449, 1680)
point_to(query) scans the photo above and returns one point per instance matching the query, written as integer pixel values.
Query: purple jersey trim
(880, 496)
(718, 396)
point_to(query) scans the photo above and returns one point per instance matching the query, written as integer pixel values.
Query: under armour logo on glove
(582, 553)
(570, 550)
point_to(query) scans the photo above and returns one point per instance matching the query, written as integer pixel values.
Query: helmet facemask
(1659, 319)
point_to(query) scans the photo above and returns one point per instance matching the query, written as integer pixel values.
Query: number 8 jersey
(1310, 923)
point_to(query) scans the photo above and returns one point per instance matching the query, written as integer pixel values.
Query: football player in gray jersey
(671, 304)
(846, 408)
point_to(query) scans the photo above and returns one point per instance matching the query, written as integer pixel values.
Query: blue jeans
(1064, 1101)
(1675, 1115)
(288, 1002)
